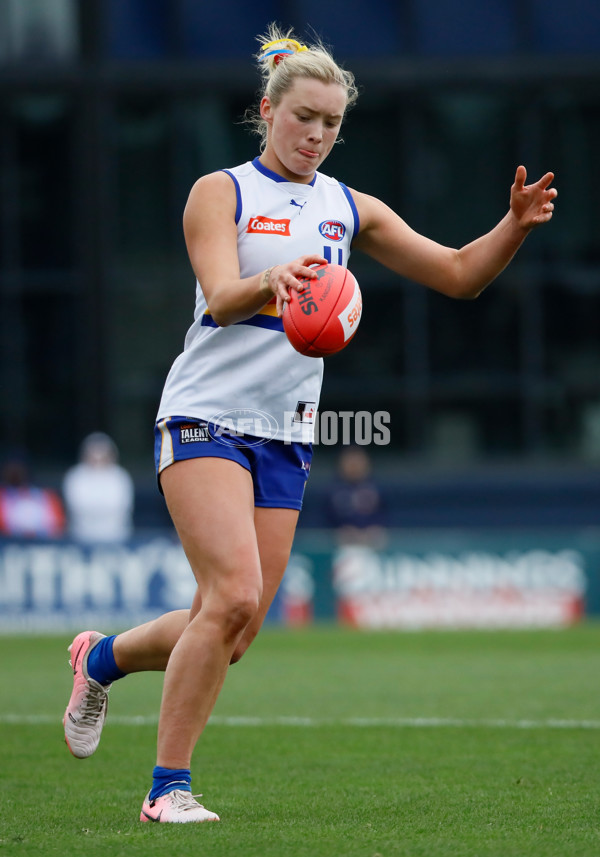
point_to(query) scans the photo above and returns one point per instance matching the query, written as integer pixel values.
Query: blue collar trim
(275, 176)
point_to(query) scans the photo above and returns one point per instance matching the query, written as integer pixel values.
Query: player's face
(302, 128)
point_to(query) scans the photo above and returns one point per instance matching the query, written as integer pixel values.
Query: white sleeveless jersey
(247, 377)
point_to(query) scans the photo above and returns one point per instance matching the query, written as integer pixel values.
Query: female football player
(230, 465)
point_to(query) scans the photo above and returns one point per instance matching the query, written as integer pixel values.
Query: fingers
(546, 180)
(543, 183)
(299, 269)
(520, 177)
(533, 204)
(304, 273)
(548, 194)
(282, 281)
(313, 259)
(289, 276)
(291, 279)
(547, 210)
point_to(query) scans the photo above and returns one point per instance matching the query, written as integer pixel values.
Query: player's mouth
(307, 153)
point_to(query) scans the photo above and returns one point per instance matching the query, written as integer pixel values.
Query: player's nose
(316, 132)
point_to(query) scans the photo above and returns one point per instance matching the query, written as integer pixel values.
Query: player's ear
(266, 108)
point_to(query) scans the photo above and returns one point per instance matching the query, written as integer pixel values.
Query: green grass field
(326, 743)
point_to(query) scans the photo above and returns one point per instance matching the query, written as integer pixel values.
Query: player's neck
(271, 162)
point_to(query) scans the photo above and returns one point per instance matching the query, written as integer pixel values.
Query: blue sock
(168, 779)
(101, 663)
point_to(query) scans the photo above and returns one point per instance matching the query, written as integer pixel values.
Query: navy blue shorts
(279, 469)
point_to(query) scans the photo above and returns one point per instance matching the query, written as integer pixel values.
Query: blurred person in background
(355, 507)
(26, 510)
(99, 493)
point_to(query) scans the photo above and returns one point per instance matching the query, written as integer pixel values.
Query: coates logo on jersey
(332, 229)
(269, 225)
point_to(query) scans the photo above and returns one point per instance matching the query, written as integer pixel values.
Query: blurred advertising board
(457, 579)
(425, 580)
(471, 589)
(48, 586)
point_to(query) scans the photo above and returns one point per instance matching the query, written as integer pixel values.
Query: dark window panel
(225, 30)
(468, 28)
(566, 28)
(143, 177)
(44, 139)
(476, 338)
(371, 29)
(50, 354)
(137, 29)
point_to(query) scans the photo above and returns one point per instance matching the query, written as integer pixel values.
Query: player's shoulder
(216, 180)
(330, 181)
(369, 207)
(335, 185)
(212, 187)
(241, 170)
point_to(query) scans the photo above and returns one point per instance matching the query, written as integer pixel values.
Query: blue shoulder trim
(275, 176)
(238, 196)
(352, 204)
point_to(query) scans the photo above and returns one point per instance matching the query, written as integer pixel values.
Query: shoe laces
(184, 800)
(94, 702)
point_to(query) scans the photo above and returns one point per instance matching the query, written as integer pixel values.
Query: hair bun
(278, 49)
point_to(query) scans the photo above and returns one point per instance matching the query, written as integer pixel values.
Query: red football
(323, 318)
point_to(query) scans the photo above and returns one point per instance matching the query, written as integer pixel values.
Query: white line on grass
(361, 722)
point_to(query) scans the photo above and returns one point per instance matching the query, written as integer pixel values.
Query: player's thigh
(211, 503)
(275, 529)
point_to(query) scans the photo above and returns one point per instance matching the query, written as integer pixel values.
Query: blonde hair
(281, 60)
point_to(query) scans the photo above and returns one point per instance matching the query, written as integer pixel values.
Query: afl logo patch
(332, 229)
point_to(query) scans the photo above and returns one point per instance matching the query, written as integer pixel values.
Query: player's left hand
(532, 204)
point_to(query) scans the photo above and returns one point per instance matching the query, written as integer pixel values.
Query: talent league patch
(194, 433)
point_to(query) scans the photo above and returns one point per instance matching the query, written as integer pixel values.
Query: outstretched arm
(460, 273)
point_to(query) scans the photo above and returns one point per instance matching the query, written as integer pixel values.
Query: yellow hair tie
(284, 42)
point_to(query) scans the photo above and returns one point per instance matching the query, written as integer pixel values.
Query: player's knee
(237, 655)
(238, 612)
(243, 646)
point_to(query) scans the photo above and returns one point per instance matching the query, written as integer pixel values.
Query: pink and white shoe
(177, 806)
(86, 711)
